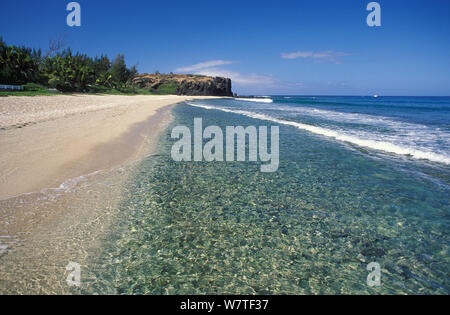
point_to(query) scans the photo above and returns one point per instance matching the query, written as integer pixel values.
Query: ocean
(361, 180)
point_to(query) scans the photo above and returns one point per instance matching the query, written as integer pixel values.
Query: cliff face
(184, 84)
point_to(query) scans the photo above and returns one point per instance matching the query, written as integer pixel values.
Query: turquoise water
(312, 227)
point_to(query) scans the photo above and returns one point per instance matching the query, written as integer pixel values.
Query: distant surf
(258, 100)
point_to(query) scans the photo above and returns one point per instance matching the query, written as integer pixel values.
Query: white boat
(376, 96)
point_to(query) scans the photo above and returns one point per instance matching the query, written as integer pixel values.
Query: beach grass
(43, 91)
(28, 93)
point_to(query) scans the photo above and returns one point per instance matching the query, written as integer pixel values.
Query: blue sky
(320, 47)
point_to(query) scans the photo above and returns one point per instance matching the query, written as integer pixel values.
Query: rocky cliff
(184, 84)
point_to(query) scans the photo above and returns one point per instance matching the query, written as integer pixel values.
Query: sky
(320, 47)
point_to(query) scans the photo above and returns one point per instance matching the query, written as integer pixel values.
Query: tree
(121, 76)
(102, 73)
(70, 73)
(64, 70)
(19, 65)
(54, 46)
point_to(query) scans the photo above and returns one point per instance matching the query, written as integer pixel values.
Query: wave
(258, 100)
(391, 130)
(371, 144)
(354, 118)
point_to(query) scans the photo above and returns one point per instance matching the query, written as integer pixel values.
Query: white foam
(339, 135)
(406, 134)
(257, 100)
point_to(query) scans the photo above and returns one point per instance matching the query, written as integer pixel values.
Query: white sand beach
(46, 140)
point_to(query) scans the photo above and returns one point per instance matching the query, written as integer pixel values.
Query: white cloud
(205, 65)
(325, 56)
(238, 78)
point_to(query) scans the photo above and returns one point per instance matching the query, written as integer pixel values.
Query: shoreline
(132, 140)
(57, 138)
(70, 141)
(40, 232)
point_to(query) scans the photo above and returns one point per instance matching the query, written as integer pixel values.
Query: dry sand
(46, 140)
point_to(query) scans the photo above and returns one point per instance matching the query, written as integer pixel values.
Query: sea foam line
(258, 100)
(371, 144)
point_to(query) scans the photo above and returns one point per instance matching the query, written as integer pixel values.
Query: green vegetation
(166, 88)
(19, 65)
(66, 72)
(27, 93)
(30, 89)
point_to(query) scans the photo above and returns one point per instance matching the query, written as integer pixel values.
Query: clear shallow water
(310, 228)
